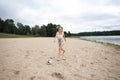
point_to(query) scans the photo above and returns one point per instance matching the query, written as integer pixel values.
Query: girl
(61, 37)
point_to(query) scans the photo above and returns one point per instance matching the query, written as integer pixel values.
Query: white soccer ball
(49, 61)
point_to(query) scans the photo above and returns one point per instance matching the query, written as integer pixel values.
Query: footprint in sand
(41, 51)
(32, 78)
(58, 75)
(112, 66)
(7, 55)
(106, 58)
(3, 69)
(91, 63)
(83, 65)
(16, 72)
(92, 75)
(117, 64)
(86, 50)
(28, 53)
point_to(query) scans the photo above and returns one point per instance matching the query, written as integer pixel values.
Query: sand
(25, 59)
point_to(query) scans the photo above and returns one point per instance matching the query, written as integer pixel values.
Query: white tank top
(60, 36)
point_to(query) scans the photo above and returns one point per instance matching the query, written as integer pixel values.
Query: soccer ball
(49, 62)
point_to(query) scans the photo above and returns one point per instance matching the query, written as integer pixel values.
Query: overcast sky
(73, 15)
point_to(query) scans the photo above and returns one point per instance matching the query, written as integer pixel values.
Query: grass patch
(6, 35)
(112, 45)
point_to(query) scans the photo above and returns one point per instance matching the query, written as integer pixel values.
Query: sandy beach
(25, 59)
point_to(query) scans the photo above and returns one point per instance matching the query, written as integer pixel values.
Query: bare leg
(61, 47)
(59, 52)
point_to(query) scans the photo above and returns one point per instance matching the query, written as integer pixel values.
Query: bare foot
(64, 59)
(57, 58)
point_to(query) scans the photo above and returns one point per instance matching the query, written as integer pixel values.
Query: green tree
(27, 30)
(65, 33)
(69, 34)
(1, 25)
(35, 30)
(43, 31)
(51, 29)
(48, 30)
(21, 28)
(9, 26)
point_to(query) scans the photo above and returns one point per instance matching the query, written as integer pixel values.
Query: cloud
(114, 2)
(73, 15)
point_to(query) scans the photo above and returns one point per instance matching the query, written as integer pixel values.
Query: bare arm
(55, 37)
(64, 37)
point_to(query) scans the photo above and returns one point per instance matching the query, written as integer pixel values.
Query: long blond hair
(60, 27)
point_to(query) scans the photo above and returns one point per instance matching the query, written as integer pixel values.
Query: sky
(73, 15)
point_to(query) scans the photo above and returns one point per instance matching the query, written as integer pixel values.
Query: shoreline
(107, 40)
(105, 43)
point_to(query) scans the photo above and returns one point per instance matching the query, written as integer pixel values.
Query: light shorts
(60, 42)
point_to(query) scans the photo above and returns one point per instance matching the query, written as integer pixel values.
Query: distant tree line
(97, 33)
(102, 33)
(49, 30)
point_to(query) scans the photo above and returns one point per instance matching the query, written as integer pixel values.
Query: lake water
(106, 39)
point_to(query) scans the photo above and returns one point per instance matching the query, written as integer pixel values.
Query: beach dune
(26, 59)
